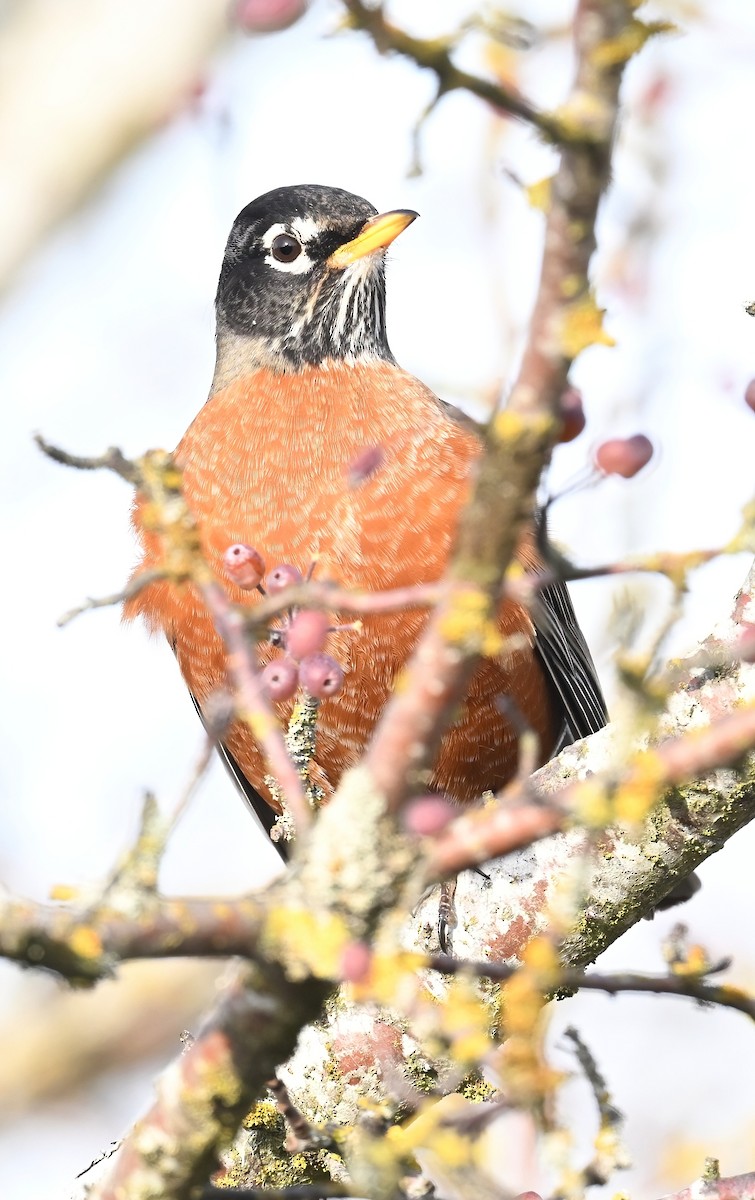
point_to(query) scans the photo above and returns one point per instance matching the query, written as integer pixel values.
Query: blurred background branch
(81, 84)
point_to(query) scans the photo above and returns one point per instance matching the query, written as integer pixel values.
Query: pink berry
(280, 679)
(267, 16)
(572, 415)
(356, 961)
(366, 463)
(750, 395)
(307, 633)
(244, 565)
(321, 675)
(624, 456)
(428, 815)
(282, 577)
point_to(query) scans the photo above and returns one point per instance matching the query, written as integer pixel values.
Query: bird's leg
(447, 920)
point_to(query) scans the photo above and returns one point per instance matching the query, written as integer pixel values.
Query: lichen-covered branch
(205, 1093)
(711, 1187)
(86, 946)
(487, 833)
(685, 986)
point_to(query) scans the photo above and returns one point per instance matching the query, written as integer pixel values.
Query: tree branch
(434, 56)
(736, 1187)
(520, 437)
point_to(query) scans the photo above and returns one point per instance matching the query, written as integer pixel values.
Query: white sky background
(107, 339)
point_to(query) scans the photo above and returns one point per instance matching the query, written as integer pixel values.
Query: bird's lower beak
(376, 234)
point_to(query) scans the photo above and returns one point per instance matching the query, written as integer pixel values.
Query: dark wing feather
(563, 652)
(261, 809)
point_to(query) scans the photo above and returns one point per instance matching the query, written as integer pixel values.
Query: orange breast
(265, 462)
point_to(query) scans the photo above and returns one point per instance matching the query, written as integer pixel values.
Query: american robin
(304, 382)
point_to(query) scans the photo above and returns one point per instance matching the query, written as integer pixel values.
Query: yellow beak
(375, 234)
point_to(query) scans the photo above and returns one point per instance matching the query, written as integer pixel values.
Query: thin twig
(331, 597)
(254, 707)
(609, 1114)
(84, 946)
(687, 986)
(112, 460)
(135, 585)
(434, 55)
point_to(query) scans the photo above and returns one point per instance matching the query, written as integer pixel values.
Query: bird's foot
(447, 919)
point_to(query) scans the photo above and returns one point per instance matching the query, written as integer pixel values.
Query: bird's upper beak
(375, 234)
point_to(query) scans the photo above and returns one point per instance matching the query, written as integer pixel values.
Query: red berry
(244, 565)
(428, 815)
(750, 395)
(624, 456)
(321, 675)
(280, 679)
(282, 577)
(307, 633)
(572, 415)
(366, 463)
(267, 16)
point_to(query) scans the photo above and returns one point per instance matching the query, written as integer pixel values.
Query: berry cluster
(303, 636)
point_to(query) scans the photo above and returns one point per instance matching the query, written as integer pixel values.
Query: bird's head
(303, 278)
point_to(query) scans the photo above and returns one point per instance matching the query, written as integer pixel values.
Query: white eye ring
(299, 264)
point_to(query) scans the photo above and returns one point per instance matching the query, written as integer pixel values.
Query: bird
(304, 383)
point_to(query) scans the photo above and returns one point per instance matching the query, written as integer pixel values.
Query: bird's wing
(261, 809)
(563, 652)
(560, 644)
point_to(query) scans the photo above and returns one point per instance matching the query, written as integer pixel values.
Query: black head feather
(276, 287)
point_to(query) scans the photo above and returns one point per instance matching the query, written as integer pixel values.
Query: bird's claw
(447, 920)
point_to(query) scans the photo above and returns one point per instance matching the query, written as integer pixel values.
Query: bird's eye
(285, 248)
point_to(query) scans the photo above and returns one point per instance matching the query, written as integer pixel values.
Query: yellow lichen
(510, 425)
(63, 892)
(389, 977)
(614, 51)
(264, 1115)
(539, 193)
(582, 326)
(695, 962)
(308, 942)
(466, 620)
(421, 1132)
(260, 724)
(464, 1022)
(85, 942)
(635, 797)
(527, 1077)
(593, 805)
(540, 957)
(523, 1003)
